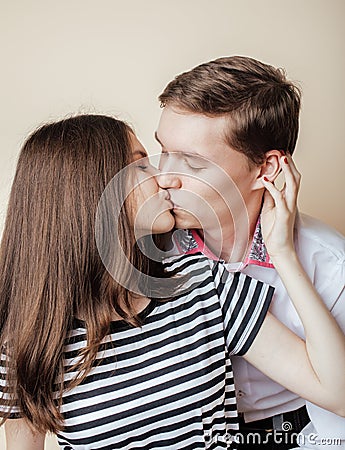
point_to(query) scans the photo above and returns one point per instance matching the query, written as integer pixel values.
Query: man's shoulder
(314, 236)
(321, 250)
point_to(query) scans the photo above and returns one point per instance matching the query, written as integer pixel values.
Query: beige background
(115, 56)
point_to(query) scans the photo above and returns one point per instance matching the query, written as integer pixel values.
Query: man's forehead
(187, 131)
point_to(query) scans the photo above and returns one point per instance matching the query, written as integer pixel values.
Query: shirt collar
(257, 255)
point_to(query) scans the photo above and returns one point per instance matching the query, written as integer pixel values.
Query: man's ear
(270, 168)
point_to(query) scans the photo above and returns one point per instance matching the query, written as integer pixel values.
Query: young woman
(95, 355)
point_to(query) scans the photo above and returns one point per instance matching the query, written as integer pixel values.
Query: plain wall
(115, 57)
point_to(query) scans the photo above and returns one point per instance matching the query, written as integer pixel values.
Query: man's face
(208, 181)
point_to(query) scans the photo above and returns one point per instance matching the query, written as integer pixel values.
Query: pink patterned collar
(257, 255)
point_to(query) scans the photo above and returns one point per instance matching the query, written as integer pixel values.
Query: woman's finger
(277, 195)
(268, 203)
(291, 182)
(293, 168)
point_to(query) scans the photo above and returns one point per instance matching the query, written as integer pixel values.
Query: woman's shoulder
(187, 262)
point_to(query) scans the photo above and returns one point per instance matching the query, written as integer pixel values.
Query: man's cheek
(188, 200)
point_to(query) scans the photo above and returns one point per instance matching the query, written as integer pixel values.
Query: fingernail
(265, 179)
(286, 160)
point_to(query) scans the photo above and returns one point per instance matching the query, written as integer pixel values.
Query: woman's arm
(314, 369)
(20, 436)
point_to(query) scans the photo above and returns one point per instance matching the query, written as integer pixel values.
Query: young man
(225, 124)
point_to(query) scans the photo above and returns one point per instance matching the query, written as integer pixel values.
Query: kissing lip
(167, 198)
(171, 205)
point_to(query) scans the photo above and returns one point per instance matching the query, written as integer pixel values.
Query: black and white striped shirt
(169, 383)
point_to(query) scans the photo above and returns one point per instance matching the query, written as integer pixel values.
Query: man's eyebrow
(187, 154)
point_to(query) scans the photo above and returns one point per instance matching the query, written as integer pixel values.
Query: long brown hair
(261, 103)
(50, 268)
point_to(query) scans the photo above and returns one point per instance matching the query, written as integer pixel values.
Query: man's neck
(233, 242)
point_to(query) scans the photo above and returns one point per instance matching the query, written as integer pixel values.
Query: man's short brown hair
(262, 105)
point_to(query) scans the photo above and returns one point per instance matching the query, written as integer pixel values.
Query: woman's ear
(270, 168)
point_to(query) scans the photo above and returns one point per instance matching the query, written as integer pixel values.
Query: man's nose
(168, 180)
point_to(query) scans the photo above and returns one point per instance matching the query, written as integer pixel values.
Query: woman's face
(151, 204)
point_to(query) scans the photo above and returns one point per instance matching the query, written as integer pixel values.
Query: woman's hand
(279, 211)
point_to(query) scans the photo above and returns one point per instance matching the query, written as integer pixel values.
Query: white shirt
(321, 250)
(322, 253)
